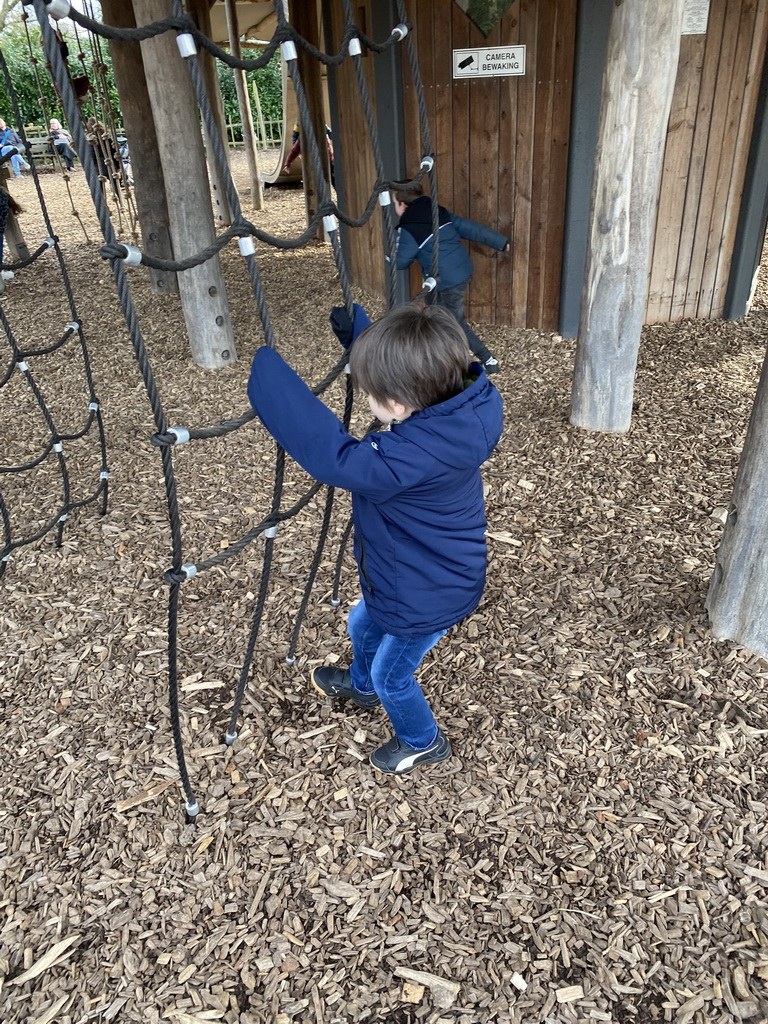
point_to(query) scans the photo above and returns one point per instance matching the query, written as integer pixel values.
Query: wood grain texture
(638, 84)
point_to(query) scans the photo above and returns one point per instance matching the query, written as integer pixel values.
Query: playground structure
(602, 774)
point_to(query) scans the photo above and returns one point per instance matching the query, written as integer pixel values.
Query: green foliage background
(28, 86)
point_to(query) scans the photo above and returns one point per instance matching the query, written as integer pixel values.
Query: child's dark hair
(406, 192)
(414, 356)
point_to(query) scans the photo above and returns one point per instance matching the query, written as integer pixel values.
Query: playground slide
(290, 117)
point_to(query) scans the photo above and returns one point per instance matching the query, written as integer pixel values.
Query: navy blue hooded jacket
(414, 242)
(417, 494)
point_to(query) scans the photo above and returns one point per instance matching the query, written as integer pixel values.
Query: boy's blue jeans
(453, 299)
(386, 664)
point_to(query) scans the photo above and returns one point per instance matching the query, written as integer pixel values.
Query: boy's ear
(401, 411)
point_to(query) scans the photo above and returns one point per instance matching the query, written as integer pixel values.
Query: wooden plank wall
(705, 158)
(501, 147)
(364, 247)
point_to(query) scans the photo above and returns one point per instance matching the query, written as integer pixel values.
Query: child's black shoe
(491, 365)
(397, 758)
(337, 682)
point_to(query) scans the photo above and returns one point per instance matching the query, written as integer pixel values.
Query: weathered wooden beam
(244, 105)
(148, 182)
(737, 601)
(639, 78)
(201, 12)
(180, 147)
(304, 17)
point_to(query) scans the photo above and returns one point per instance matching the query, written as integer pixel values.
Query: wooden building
(517, 151)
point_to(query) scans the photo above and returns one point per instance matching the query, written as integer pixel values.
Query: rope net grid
(292, 493)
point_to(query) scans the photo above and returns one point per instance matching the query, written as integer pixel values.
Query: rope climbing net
(329, 214)
(69, 343)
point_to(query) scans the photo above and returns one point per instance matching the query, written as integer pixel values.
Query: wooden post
(180, 145)
(639, 78)
(12, 236)
(201, 12)
(246, 119)
(148, 183)
(304, 17)
(260, 117)
(737, 601)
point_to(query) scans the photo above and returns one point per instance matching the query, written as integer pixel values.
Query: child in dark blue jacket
(417, 505)
(454, 266)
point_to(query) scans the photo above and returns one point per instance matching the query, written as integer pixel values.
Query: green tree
(31, 80)
(7, 8)
(269, 82)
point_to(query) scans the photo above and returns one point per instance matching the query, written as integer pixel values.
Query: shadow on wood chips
(596, 848)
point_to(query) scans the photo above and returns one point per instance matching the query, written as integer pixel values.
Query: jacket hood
(463, 431)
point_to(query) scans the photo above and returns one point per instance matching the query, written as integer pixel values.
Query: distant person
(62, 141)
(10, 140)
(125, 156)
(7, 205)
(295, 152)
(454, 267)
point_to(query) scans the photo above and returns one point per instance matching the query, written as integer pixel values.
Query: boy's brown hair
(414, 356)
(406, 192)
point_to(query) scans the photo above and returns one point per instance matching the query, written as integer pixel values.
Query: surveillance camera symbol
(467, 62)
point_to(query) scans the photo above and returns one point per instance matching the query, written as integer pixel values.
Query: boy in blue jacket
(417, 505)
(454, 266)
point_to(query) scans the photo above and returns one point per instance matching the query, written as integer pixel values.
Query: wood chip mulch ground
(595, 851)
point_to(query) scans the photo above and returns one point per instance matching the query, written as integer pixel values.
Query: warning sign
(493, 62)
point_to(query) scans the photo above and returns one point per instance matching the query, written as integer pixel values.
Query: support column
(148, 183)
(201, 12)
(180, 145)
(246, 118)
(737, 601)
(304, 18)
(639, 79)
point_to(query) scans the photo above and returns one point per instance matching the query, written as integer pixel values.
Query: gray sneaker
(397, 758)
(337, 682)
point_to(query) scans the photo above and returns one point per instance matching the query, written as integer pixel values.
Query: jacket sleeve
(475, 232)
(377, 467)
(407, 249)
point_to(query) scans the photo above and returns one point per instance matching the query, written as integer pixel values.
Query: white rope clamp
(58, 9)
(189, 569)
(58, 447)
(288, 50)
(355, 49)
(400, 32)
(246, 245)
(330, 223)
(429, 284)
(271, 532)
(73, 325)
(186, 44)
(192, 809)
(385, 198)
(427, 163)
(50, 242)
(93, 407)
(23, 366)
(133, 256)
(104, 474)
(180, 433)
(63, 517)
